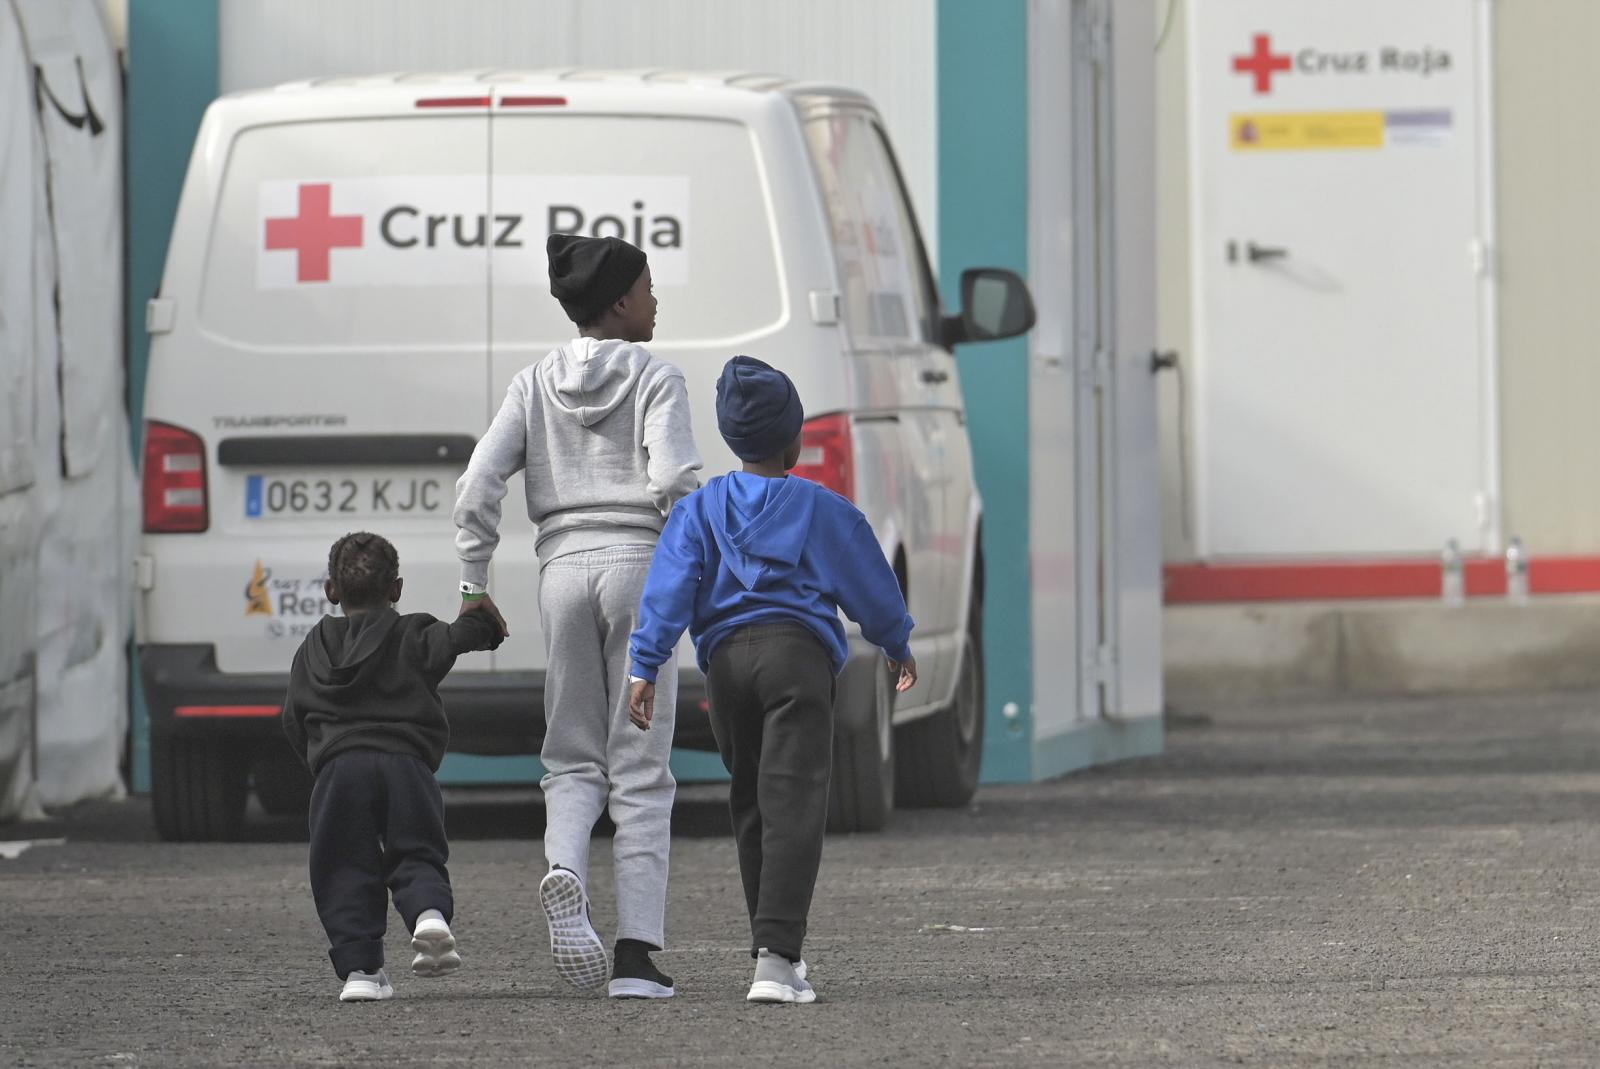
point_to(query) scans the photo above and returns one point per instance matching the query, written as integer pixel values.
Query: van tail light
(827, 455)
(174, 480)
(533, 102)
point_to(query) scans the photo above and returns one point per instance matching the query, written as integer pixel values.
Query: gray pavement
(1376, 883)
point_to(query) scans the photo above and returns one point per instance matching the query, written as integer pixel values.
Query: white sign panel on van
(429, 230)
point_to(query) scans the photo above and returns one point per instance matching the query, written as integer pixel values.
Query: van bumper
(491, 713)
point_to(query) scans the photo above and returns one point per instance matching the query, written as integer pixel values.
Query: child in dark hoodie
(363, 712)
(599, 432)
(757, 566)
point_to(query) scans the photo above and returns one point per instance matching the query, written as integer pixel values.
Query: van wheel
(198, 789)
(861, 792)
(283, 785)
(940, 754)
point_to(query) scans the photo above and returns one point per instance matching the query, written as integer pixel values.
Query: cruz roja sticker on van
(434, 230)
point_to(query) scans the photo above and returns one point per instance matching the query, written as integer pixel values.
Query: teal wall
(983, 222)
(172, 76)
(472, 770)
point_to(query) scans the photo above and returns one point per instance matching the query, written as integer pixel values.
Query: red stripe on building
(1196, 582)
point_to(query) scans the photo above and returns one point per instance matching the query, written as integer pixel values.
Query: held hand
(907, 672)
(642, 704)
(485, 604)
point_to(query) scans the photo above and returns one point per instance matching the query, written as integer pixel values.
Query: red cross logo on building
(314, 233)
(1262, 63)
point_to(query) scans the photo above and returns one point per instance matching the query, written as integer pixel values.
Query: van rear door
(336, 366)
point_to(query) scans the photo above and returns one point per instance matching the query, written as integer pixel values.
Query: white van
(357, 271)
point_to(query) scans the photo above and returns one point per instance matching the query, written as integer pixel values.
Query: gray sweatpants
(594, 758)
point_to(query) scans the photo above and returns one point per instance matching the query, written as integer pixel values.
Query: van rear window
(393, 232)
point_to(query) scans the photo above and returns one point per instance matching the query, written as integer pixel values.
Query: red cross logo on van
(315, 232)
(1263, 63)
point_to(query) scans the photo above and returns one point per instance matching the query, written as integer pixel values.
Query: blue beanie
(758, 409)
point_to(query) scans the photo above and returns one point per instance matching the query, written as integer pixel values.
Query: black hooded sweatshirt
(370, 681)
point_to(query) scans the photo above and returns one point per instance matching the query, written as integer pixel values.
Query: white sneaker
(578, 953)
(366, 987)
(435, 946)
(778, 981)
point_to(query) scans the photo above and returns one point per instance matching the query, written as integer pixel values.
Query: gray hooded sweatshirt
(600, 430)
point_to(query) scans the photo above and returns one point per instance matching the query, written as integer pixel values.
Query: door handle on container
(1256, 253)
(935, 376)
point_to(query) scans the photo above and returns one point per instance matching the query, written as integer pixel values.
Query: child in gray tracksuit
(600, 430)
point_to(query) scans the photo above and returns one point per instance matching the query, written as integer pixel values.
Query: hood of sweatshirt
(588, 378)
(759, 522)
(340, 650)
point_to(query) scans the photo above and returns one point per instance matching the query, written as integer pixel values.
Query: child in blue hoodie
(757, 566)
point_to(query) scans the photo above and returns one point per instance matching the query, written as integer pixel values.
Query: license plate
(285, 496)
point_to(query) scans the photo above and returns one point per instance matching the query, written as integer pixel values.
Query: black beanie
(589, 275)
(758, 409)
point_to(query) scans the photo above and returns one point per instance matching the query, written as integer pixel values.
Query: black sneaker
(634, 975)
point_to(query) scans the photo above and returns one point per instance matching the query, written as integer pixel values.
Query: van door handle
(1256, 253)
(345, 449)
(934, 376)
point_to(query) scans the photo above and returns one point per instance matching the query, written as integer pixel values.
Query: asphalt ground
(1377, 883)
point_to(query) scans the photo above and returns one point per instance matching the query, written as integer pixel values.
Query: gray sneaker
(777, 981)
(367, 987)
(803, 986)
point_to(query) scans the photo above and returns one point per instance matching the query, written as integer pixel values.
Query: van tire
(939, 755)
(283, 785)
(861, 790)
(197, 788)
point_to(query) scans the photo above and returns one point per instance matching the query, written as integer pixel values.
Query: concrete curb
(1270, 650)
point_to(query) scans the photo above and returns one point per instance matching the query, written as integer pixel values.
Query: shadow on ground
(471, 813)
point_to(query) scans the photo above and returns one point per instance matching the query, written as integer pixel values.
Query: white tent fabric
(21, 151)
(67, 526)
(79, 98)
(18, 148)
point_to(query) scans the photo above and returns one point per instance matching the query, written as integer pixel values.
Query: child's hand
(642, 704)
(485, 604)
(907, 671)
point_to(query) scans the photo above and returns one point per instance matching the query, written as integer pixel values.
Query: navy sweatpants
(377, 821)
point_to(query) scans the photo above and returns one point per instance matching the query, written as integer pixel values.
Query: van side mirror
(995, 304)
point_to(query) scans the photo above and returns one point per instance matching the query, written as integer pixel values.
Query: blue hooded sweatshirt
(747, 549)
